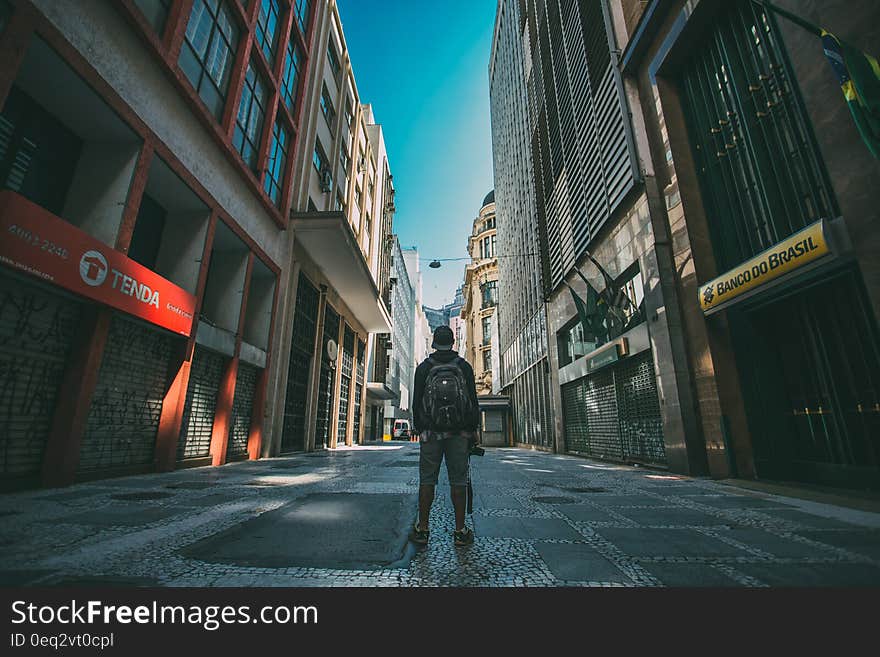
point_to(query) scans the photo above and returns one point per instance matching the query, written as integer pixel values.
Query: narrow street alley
(340, 518)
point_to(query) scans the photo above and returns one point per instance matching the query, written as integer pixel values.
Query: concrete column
(61, 457)
(281, 356)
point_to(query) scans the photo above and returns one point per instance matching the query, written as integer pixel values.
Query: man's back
(422, 420)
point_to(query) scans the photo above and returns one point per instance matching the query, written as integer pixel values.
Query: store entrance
(810, 371)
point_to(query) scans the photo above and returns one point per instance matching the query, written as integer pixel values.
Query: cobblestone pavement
(540, 520)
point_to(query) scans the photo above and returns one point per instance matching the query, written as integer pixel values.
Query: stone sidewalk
(340, 519)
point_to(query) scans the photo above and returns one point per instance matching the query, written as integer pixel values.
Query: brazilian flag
(859, 77)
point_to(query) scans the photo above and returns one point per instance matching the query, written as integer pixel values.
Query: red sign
(35, 241)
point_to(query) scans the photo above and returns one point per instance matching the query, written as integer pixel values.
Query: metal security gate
(242, 411)
(127, 402)
(615, 413)
(811, 380)
(201, 404)
(302, 348)
(325, 386)
(358, 391)
(36, 332)
(345, 384)
(760, 172)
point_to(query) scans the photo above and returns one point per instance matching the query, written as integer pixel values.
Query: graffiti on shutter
(615, 413)
(242, 410)
(641, 427)
(201, 403)
(127, 402)
(36, 332)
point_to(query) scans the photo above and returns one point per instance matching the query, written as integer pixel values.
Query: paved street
(340, 519)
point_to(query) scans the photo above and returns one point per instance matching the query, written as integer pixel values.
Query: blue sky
(424, 68)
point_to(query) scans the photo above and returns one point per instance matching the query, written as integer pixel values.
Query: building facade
(708, 250)
(748, 172)
(480, 294)
(400, 363)
(524, 372)
(165, 147)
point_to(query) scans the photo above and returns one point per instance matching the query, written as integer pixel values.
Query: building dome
(490, 198)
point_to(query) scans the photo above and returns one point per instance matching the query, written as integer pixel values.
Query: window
(209, 50)
(318, 158)
(487, 360)
(38, 153)
(301, 10)
(333, 58)
(340, 201)
(487, 330)
(267, 28)
(155, 11)
(489, 293)
(327, 107)
(277, 163)
(368, 232)
(349, 117)
(357, 196)
(251, 112)
(487, 247)
(290, 79)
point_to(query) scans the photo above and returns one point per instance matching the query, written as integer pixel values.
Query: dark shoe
(463, 537)
(418, 536)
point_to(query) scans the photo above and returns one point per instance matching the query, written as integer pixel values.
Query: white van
(401, 429)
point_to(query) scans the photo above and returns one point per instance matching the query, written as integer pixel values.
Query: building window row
(251, 113)
(213, 37)
(208, 52)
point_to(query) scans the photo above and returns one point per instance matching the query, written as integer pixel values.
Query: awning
(493, 402)
(330, 242)
(380, 392)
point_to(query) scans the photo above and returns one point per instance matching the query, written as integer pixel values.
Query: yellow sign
(793, 253)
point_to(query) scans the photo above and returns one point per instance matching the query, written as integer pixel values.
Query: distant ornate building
(480, 297)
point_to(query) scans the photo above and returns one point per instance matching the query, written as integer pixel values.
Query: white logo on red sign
(93, 268)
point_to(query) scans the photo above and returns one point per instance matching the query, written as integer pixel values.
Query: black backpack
(446, 401)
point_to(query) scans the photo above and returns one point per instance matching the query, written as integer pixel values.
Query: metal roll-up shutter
(600, 400)
(641, 427)
(358, 390)
(325, 387)
(345, 383)
(302, 348)
(201, 404)
(242, 410)
(36, 332)
(574, 413)
(127, 402)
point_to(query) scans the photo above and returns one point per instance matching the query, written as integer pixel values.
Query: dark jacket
(423, 423)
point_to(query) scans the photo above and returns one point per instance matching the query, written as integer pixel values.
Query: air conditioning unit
(326, 180)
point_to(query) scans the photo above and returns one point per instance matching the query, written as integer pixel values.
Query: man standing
(446, 417)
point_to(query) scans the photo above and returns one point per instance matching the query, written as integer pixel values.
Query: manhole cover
(584, 489)
(142, 496)
(191, 485)
(551, 499)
